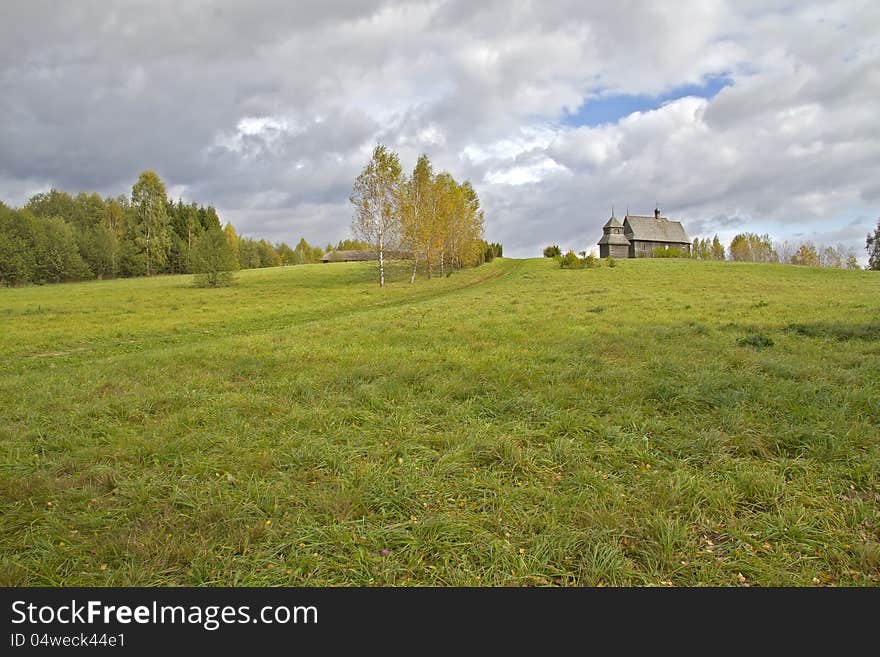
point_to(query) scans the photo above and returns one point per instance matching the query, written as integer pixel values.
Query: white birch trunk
(381, 265)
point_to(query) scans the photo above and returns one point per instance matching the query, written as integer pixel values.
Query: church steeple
(613, 241)
(613, 222)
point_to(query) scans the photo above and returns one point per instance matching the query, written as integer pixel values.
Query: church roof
(650, 229)
(614, 238)
(614, 222)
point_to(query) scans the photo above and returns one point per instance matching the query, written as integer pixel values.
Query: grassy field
(512, 424)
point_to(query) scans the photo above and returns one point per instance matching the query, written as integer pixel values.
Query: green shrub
(571, 261)
(212, 260)
(666, 252)
(611, 261)
(757, 341)
(552, 251)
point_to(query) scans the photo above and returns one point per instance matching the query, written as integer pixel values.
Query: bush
(756, 341)
(611, 261)
(666, 252)
(571, 261)
(212, 260)
(552, 251)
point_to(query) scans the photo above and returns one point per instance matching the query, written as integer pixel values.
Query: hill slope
(511, 424)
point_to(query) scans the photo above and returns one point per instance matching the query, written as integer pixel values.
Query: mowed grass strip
(511, 424)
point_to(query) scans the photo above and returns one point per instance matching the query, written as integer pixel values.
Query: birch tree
(446, 202)
(470, 241)
(459, 222)
(717, 249)
(212, 260)
(377, 199)
(232, 239)
(416, 213)
(151, 235)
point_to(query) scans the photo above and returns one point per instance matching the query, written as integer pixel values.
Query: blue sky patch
(610, 109)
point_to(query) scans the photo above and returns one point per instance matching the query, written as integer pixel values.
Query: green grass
(512, 424)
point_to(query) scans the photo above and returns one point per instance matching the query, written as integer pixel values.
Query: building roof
(349, 256)
(360, 256)
(614, 222)
(651, 229)
(614, 238)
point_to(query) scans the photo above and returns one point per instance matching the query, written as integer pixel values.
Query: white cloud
(268, 109)
(520, 175)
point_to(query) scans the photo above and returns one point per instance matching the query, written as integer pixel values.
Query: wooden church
(638, 236)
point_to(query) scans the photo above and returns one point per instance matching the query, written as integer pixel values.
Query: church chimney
(657, 213)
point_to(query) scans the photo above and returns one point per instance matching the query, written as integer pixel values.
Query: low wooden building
(349, 256)
(638, 236)
(362, 256)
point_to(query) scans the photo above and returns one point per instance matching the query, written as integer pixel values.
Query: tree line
(58, 237)
(752, 247)
(430, 218)
(705, 249)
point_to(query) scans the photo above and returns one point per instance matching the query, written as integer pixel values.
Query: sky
(731, 116)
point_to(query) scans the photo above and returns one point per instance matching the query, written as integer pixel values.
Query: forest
(751, 247)
(57, 237)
